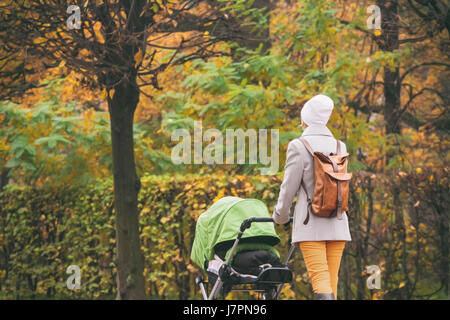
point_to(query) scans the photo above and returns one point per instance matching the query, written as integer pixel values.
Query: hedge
(44, 230)
(396, 219)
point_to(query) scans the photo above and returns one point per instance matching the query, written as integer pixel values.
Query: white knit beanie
(317, 110)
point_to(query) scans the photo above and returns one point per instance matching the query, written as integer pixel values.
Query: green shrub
(44, 230)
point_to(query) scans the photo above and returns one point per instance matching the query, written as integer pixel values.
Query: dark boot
(324, 296)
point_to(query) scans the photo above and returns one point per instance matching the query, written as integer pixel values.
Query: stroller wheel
(270, 293)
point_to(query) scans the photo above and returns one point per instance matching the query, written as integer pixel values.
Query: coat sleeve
(293, 174)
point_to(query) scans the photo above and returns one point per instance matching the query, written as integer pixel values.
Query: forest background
(230, 64)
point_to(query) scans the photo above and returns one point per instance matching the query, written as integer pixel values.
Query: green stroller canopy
(220, 224)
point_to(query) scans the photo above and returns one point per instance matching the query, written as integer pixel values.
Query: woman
(322, 239)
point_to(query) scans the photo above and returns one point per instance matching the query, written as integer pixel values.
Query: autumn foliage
(241, 67)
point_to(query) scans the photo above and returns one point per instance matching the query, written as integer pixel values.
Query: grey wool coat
(299, 165)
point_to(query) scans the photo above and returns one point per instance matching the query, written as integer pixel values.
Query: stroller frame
(246, 224)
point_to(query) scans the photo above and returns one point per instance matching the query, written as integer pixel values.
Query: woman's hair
(303, 124)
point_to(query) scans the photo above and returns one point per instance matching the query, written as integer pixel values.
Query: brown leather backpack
(331, 186)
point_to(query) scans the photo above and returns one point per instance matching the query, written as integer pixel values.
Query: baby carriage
(234, 243)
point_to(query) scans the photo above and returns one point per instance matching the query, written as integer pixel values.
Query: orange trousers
(322, 259)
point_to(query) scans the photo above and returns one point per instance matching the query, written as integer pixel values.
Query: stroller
(234, 243)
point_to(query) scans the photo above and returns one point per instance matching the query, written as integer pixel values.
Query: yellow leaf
(186, 66)
(111, 93)
(330, 30)
(146, 229)
(164, 219)
(39, 40)
(138, 57)
(220, 194)
(103, 94)
(392, 63)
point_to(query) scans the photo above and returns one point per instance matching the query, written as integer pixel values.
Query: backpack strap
(307, 146)
(339, 195)
(309, 205)
(308, 199)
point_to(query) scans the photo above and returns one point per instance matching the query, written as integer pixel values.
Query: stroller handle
(248, 222)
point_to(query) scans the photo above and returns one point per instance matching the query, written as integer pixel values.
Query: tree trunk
(389, 41)
(443, 230)
(129, 259)
(392, 98)
(4, 180)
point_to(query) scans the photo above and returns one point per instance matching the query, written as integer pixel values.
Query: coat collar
(317, 131)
